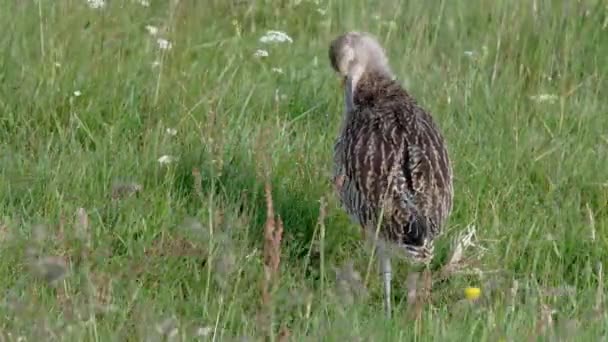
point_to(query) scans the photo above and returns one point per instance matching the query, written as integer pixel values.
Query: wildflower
(278, 96)
(96, 3)
(171, 131)
(260, 53)
(544, 98)
(164, 44)
(203, 331)
(144, 3)
(277, 70)
(275, 37)
(469, 53)
(77, 93)
(472, 293)
(166, 159)
(153, 30)
(155, 64)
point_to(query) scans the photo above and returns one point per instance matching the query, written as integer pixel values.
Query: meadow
(164, 171)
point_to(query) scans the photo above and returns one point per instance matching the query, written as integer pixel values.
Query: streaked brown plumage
(388, 148)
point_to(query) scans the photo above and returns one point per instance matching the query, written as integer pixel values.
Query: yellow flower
(472, 293)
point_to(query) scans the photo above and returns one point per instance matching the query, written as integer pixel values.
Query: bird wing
(426, 170)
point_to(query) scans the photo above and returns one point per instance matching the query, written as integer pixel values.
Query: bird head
(354, 53)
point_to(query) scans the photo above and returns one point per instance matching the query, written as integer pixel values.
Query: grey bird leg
(384, 261)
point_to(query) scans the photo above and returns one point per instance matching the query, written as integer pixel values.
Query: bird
(391, 168)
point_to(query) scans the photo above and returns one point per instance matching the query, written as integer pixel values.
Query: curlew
(392, 172)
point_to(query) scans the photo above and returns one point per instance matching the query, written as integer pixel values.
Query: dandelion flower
(260, 53)
(166, 159)
(472, 293)
(275, 37)
(164, 44)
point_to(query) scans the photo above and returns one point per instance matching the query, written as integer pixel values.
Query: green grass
(530, 176)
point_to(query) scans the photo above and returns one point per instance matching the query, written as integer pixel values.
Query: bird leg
(384, 261)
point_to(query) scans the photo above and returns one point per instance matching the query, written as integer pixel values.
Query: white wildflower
(153, 30)
(277, 70)
(278, 96)
(96, 3)
(164, 44)
(77, 93)
(469, 53)
(155, 64)
(171, 131)
(166, 159)
(321, 11)
(57, 65)
(144, 3)
(544, 98)
(260, 53)
(204, 331)
(275, 37)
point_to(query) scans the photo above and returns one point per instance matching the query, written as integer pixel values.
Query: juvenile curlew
(391, 167)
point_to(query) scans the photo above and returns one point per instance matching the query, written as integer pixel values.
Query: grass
(185, 255)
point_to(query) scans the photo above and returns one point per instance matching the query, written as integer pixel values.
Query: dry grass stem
(273, 233)
(198, 182)
(457, 262)
(412, 289)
